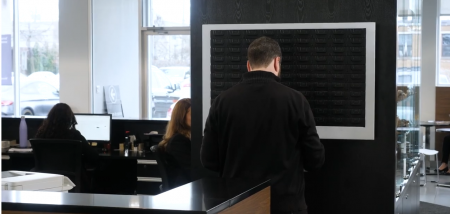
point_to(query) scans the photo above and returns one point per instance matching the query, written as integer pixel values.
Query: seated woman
(443, 169)
(176, 144)
(60, 124)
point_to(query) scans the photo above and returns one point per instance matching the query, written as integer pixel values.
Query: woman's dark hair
(60, 121)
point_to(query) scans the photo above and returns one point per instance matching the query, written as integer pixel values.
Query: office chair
(58, 156)
(162, 165)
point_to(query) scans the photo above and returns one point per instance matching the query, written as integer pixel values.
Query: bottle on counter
(126, 144)
(23, 133)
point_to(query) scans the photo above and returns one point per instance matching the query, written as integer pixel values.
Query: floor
(434, 194)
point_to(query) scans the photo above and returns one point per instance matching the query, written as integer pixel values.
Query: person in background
(443, 169)
(60, 124)
(261, 129)
(176, 144)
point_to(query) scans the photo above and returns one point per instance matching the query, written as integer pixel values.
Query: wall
(116, 53)
(74, 54)
(358, 176)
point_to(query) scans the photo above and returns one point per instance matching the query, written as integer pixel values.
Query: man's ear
(277, 64)
(249, 68)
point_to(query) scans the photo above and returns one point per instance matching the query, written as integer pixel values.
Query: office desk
(211, 195)
(136, 171)
(428, 125)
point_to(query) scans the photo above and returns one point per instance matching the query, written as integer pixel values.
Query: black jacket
(178, 157)
(264, 130)
(89, 154)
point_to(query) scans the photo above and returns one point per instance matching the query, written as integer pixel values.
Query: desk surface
(210, 195)
(434, 123)
(443, 130)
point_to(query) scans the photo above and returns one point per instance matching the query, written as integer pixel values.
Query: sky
(39, 10)
(174, 11)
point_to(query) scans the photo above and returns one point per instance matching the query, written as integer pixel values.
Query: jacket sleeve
(313, 152)
(90, 155)
(209, 152)
(180, 148)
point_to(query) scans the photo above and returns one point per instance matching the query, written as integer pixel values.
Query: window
(405, 78)
(30, 53)
(149, 84)
(405, 45)
(166, 55)
(166, 13)
(445, 45)
(444, 68)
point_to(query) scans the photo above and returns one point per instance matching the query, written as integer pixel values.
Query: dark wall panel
(358, 176)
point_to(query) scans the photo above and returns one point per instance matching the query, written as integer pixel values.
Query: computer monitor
(94, 127)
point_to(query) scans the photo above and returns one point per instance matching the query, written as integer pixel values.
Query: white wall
(430, 26)
(116, 52)
(74, 54)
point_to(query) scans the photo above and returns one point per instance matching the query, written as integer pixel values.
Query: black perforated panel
(326, 65)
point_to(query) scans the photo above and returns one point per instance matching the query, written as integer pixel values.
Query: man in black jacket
(261, 129)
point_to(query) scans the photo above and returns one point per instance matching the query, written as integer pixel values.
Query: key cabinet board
(332, 65)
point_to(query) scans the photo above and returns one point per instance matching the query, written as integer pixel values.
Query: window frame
(145, 33)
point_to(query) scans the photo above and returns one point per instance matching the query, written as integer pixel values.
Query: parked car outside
(163, 92)
(36, 98)
(177, 73)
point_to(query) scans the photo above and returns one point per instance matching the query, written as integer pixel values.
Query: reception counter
(209, 195)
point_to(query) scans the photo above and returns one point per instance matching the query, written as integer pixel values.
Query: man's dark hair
(262, 51)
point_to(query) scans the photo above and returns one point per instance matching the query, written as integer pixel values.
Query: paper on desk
(20, 150)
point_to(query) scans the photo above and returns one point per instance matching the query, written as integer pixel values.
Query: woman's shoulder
(178, 138)
(75, 134)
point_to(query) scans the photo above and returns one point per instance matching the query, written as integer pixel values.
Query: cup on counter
(141, 147)
(121, 148)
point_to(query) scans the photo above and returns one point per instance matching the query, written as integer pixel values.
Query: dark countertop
(111, 155)
(208, 195)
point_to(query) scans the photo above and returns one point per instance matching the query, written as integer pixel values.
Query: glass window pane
(166, 13)
(169, 67)
(39, 55)
(409, 28)
(405, 43)
(445, 7)
(444, 69)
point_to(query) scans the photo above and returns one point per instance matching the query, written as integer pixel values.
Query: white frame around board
(325, 132)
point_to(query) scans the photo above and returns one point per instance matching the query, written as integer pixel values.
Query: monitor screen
(94, 127)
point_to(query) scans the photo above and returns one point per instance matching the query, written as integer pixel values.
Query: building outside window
(443, 77)
(405, 45)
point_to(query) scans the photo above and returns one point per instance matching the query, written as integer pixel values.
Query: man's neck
(264, 69)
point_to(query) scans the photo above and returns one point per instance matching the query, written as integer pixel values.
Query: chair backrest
(59, 156)
(162, 166)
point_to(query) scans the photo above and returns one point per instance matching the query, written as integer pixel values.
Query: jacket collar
(260, 76)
